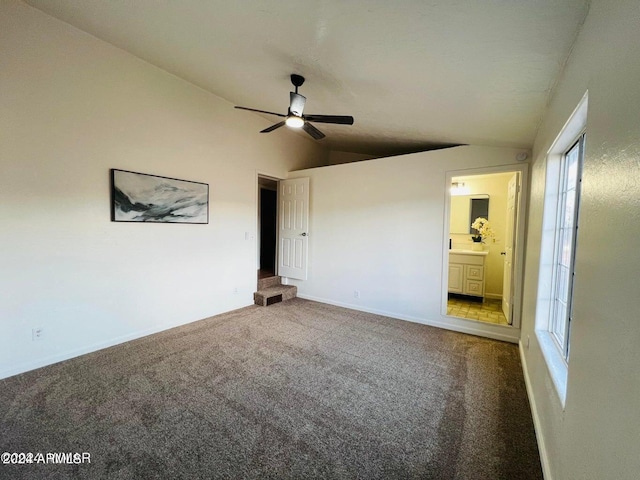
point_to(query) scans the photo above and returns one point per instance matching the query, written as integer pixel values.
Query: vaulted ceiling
(415, 74)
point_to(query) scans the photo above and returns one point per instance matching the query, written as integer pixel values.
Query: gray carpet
(295, 390)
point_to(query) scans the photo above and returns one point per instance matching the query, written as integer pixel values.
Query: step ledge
(271, 291)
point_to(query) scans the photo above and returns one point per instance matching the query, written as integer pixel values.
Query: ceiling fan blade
(272, 127)
(260, 111)
(313, 131)
(296, 105)
(340, 119)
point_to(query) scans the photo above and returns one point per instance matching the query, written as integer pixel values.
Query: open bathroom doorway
(483, 278)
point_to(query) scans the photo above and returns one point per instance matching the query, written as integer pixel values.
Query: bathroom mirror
(465, 209)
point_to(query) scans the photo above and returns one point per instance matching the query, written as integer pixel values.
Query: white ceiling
(414, 74)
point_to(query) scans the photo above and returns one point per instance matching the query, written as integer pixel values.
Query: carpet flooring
(295, 390)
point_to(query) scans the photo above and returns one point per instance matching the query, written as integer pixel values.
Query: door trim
(261, 174)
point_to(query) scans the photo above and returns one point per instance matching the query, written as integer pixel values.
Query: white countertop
(467, 252)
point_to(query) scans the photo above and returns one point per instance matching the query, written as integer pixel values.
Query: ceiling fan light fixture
(294, 121)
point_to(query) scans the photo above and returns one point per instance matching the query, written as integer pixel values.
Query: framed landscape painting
(139, 197)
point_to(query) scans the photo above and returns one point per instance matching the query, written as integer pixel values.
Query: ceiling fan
(294, 117)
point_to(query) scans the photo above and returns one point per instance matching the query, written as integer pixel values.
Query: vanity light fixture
(458, 188)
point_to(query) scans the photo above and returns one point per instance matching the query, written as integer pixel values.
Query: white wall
(597, 434)
(377, 227)
(71, 108)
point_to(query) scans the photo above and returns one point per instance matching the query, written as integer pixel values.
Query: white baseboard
(493, 296)
(472, 329)
(544, 458)
(60, 357)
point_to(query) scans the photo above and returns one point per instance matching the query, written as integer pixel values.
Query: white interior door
(293, 215)
(509, 244)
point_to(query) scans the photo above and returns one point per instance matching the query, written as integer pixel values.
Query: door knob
(303, 234)
(503, 253)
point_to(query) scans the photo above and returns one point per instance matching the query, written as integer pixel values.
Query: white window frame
(555, 348)
(565, 238)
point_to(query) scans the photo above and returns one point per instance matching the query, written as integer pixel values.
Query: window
(565, 242)
(554, 312)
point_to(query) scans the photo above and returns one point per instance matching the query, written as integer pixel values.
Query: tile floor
(488, 311)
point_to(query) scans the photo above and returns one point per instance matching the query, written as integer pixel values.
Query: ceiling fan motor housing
(297, 80)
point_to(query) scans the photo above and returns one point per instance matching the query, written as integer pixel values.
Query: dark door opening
(268, 227)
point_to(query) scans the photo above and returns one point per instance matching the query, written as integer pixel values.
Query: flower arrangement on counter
(483, 227)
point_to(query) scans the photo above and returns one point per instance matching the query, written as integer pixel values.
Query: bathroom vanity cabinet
(467, 272)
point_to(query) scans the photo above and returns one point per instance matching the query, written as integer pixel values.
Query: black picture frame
(142, 197)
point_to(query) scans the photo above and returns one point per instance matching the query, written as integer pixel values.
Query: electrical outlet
(235, 290)
(356, 294)
(36, 333)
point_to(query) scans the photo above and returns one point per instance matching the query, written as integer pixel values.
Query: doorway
(483, 271)
(267, 226)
